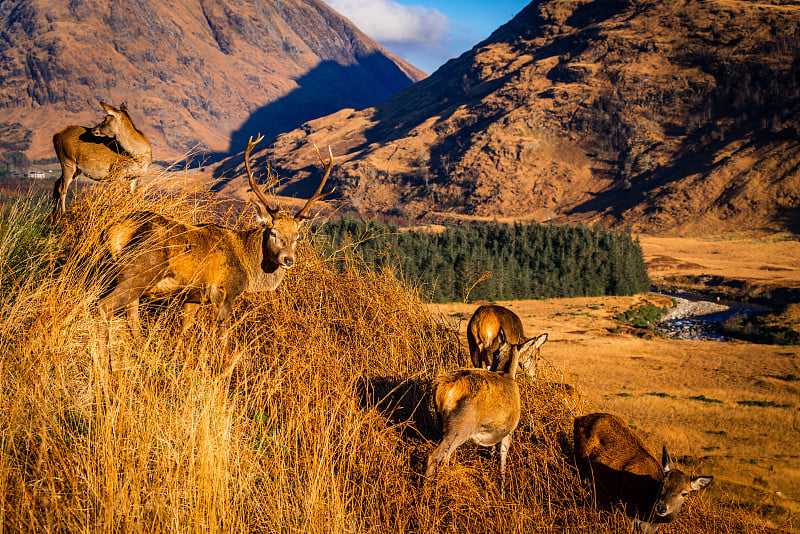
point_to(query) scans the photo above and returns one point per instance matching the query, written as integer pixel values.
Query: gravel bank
(693, 308)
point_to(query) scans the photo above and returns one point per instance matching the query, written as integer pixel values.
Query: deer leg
(124, 294)
(505, 444)
(188, 316)
(132, 311)
(450, 442)
(68, 172)
(224, 319)
(134, 184)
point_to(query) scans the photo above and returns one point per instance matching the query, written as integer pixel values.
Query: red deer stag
(624, 470)
(482, 331)
(481, 405)
(89, 151)
(161, 257)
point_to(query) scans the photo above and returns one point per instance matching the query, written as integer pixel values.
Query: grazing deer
(482, 332)
(623, 470)
(481, 405)
(161, 257)
(93, 153)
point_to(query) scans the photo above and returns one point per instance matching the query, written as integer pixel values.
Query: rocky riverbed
(695, 319)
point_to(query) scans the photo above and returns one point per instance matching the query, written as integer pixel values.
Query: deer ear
(500, 351)
(525, 348)
(262, 215)
(540, 341)
(666, 460)
(111, 110)
(123, 107)
(700, 483)
(501, 337)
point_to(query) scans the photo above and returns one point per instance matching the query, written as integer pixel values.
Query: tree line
(508, 261)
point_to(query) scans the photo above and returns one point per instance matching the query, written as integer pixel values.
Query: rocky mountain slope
(677, 117)
(195, 72)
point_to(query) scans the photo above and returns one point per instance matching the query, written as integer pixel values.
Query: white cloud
(390, 22)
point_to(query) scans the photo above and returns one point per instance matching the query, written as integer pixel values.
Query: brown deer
(161, 257)
(94, 152)
(480, 404)
(624, 470)
(482, 331)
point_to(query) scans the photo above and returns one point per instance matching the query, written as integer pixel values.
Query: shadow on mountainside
(324, 90)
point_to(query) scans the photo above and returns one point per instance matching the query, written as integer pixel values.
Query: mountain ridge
(678, 117)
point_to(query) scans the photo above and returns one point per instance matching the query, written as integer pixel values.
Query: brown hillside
(207, 72)
(674, 117)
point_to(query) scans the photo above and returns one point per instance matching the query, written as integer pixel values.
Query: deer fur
(623, 470)
(481, 405)
(161, 257)
(482, 336)
(112, 149)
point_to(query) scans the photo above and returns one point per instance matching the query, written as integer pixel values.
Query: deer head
(675, 487)
(281, 229)
(115, 121)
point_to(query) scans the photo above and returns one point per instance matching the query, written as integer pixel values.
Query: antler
(250, 144)
(317, 195)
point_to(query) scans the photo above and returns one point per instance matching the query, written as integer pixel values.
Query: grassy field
(319, 421)
(729, 409)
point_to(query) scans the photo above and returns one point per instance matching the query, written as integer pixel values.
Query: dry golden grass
(768, 260)
(752, 451)
(319, 421)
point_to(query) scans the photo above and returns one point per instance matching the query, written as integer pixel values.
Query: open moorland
(729, 409)
(318, 421)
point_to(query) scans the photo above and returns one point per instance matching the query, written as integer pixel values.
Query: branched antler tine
(328, 165)
(253, 186)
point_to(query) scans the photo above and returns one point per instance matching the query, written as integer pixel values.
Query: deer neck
(262, 275)
(136, 144)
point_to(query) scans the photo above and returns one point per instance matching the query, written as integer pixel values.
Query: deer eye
(684, 493)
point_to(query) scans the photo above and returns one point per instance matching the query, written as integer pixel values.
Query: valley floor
(728, 409)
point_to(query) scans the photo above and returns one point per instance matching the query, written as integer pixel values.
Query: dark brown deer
(161, 257)
(481, 405)
(624, 470)
(482, 332)
(94, 153)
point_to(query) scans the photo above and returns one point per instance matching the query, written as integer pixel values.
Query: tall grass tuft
(318, 422)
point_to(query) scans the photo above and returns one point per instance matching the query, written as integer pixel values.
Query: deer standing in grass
(624, 470)
(161, 257)
(482, 336)
(93, 152)
(481, 405)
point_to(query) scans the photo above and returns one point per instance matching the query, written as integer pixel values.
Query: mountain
(195, 72)
(677, 117)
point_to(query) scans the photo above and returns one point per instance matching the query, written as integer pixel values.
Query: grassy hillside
(317, 423)
(672, 118)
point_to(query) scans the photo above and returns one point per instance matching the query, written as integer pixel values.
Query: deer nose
(661, 508)
(288, 262)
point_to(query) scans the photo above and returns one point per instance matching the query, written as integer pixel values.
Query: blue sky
(427, 33)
